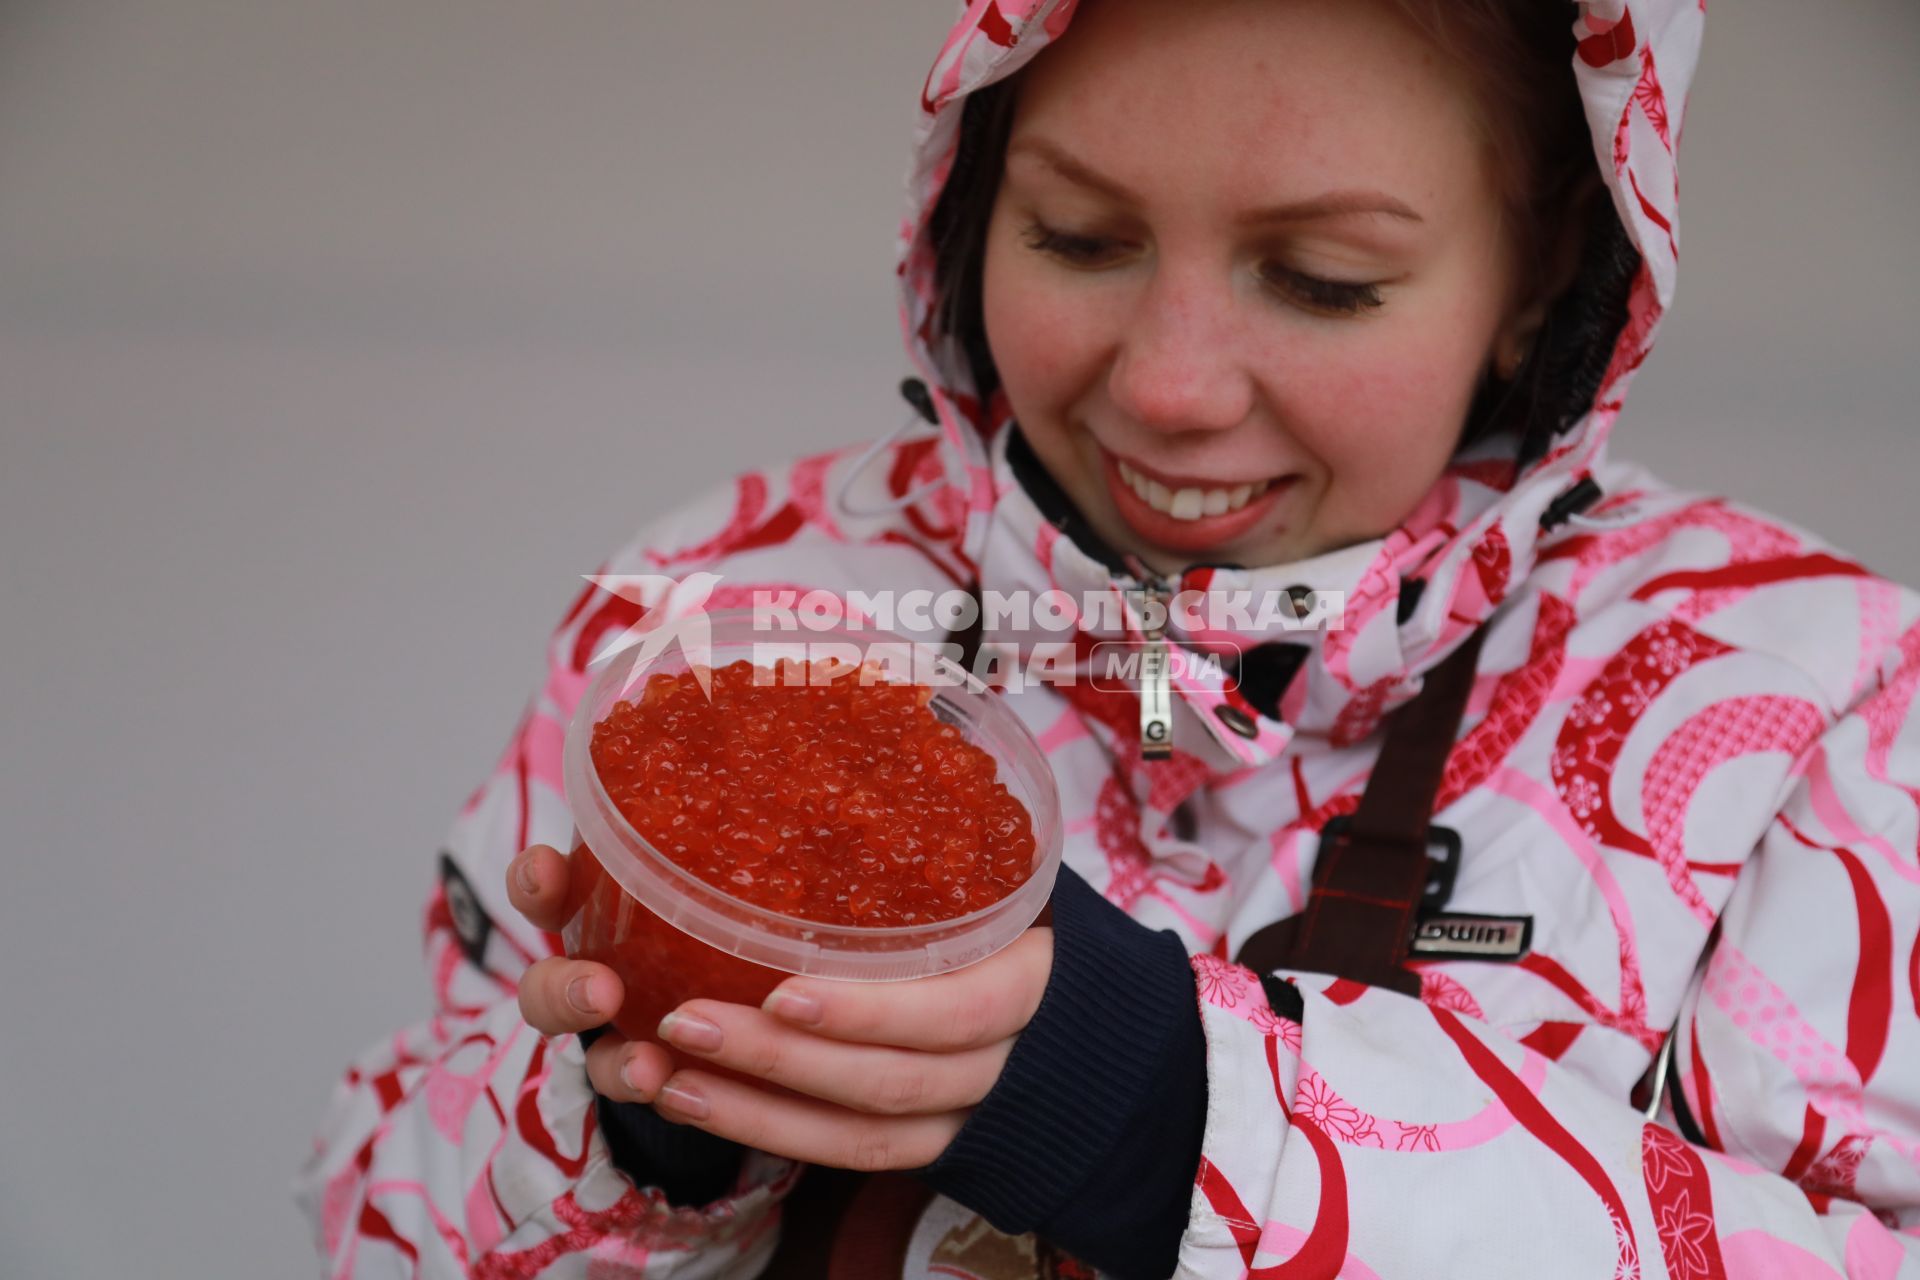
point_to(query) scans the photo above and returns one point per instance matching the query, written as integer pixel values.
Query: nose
(1177, 367)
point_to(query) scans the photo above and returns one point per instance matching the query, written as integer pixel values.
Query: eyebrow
(1333, 204)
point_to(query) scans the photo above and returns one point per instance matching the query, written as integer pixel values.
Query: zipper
(1156, 683)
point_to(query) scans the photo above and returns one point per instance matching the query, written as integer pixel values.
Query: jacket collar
(1255, 672)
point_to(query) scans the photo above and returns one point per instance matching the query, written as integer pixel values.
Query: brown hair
(1518, 57)
(1573, 250)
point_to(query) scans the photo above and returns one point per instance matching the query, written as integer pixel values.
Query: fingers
(980, 1005)
(558, 995)
(537, 886)
(863, 1077)
(805, 1129)
(628, 1070)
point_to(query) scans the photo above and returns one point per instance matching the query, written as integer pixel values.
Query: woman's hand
(881, 1075)
(559, 995)
(874, 1075)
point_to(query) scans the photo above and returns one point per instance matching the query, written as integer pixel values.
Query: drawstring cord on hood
(916, 394)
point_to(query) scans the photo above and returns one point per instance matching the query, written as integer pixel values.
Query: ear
(1515, 340)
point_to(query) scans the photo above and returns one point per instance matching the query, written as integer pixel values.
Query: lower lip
(1204, 534)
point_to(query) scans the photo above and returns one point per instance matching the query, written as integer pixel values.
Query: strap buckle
(1442, 870)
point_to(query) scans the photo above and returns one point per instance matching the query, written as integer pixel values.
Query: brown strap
(809, 1218)
(1372, 870)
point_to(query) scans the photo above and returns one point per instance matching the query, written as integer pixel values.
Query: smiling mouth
(1186, 515)
(1190, 502)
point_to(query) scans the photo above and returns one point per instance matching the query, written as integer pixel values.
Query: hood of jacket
(1414, 595)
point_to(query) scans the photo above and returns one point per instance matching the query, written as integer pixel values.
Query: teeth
(1190, 503)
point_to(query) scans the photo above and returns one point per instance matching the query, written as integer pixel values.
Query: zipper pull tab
(1156, 684)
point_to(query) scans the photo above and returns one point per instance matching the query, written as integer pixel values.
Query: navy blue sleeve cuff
(1091, 1138)
(692, 1166)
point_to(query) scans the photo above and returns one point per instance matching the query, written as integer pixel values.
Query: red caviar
(819, 792)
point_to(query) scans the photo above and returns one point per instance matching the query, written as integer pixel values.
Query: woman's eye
(1331, 296)
(1078, 251)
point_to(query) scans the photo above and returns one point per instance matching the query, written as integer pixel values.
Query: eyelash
(1330, 296)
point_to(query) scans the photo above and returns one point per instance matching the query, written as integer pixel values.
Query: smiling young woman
(1382, 960)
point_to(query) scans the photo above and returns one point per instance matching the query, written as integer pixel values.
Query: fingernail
(689, 1032)
(630, 1072)
(523, 875)
(686, 1101)
(794, 1006)
(580, 997)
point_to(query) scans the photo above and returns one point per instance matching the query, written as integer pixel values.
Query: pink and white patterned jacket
(1692, 756)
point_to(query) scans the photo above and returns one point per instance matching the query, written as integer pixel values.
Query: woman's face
(1244, 271)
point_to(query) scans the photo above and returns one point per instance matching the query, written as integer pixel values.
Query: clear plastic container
(671, 936)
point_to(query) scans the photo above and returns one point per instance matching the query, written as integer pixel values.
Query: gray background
(337, 339)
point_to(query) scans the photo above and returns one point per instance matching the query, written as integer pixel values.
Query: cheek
(1381, 413)
(1044, 338)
